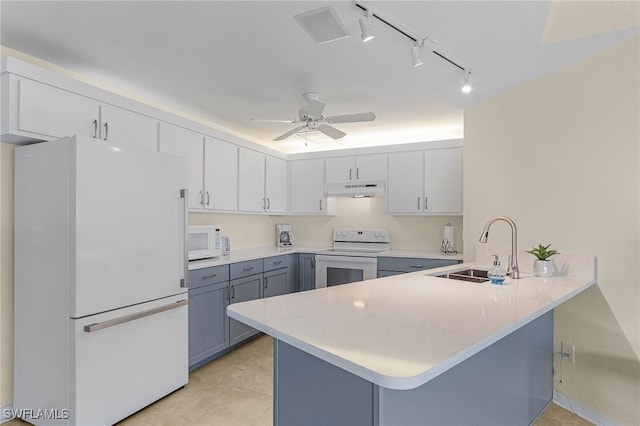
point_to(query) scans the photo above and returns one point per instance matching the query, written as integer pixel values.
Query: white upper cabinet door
(276, 185)
(128, 129)
(371, 168)
(406, 180)
(220, 175)
(443, 181)
(49, 113)
(306, 182)
(187, 144)
(251, 166)
(340, 169)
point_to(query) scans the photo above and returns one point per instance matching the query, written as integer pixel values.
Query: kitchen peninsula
(416, 348)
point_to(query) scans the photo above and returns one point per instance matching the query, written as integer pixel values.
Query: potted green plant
(542, 267)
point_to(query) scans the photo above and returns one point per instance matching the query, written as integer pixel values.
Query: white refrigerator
(100, 281)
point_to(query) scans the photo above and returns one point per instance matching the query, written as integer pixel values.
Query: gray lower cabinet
(388, 266)
(275, 283)
(306, 271)
(242, 290)
(208, 321)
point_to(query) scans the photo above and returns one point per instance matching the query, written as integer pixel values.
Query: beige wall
(6, 274)
(407, 232)
(561, 156)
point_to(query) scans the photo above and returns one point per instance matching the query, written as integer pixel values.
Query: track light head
(365, 27)
(466, 88)
(415, 55)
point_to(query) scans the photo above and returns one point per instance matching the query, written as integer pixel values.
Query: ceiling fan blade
(289, 133)
(330, 131)
(269, 120)
(352, 118)
(315, 107)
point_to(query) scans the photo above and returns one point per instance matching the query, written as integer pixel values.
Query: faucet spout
(514, 270)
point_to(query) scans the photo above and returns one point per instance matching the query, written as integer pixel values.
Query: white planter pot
(543, 268)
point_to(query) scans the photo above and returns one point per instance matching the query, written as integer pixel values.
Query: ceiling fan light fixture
(466, 88)
(415, 55)
(365, 27)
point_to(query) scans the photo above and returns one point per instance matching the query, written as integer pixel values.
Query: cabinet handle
(206, 277)
(418, 203)
(278, 262)
(313, 263)
(201, 198)
(264, 204)
(95, 129)
(106, 131)
(233, 292)
(247, 269)
(208, 198)
(425, 203)
(184, 194)
(320, 205)
(89, 328)
(268, 203)
(350, 174)
(357, 173)
(266, 282)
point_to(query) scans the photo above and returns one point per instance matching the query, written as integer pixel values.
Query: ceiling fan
(310, 115)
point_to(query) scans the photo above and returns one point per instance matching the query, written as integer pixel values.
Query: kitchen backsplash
(407, 232)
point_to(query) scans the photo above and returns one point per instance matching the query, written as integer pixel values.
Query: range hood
(356, 190)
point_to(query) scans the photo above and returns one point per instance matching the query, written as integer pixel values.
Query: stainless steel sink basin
(471, 275)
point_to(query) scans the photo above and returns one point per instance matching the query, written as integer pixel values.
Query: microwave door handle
(184, 194)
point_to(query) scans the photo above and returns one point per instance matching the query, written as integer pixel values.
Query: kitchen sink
(471, 275)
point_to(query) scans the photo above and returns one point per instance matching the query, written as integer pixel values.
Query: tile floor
(237, 389)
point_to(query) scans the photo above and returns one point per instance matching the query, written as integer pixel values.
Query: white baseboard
(583, 411)
(7, 413)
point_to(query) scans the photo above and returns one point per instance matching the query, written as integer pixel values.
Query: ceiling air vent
(323, 25)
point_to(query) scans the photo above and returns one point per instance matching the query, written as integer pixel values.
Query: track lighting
(466, 88)
(365, 26)
(415, 55)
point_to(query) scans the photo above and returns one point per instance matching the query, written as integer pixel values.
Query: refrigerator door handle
(106, 324)
(184, 194)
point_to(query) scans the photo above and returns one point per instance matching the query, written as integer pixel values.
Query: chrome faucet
(513, 271)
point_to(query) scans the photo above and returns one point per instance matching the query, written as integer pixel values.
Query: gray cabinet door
(306, 271)
(208, 321)
(275, 283)
(242, 290)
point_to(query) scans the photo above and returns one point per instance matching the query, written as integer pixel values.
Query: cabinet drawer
(206, 276)
(411, 264)
(244, 269)
(276, 262)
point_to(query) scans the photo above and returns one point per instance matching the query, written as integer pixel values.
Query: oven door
(335, 270)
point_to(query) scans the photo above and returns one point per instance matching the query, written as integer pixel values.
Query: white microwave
(204, 242)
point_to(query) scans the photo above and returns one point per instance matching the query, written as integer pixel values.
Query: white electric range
(353, 257)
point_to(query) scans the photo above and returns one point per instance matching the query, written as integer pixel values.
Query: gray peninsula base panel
(508, 383)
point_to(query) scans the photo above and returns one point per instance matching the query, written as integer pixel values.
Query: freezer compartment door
(128, 358)
(130, 226)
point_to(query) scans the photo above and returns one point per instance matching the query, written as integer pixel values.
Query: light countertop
(400, 332)
(263, 252)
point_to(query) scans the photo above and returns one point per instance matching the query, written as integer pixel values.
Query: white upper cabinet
(220, 175)
(187, 144)
(122, 127)
(443, 181)
(306, 183)
(251, 177)
(361, 168)
(406, 182)
(45, 112)
(425, 182)
(276, 185)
